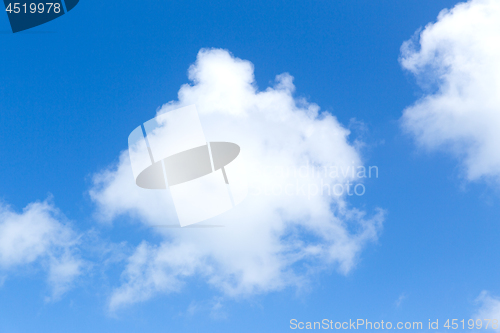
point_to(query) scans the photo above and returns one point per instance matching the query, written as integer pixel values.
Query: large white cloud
(273, 239)
(456, 60)
(38, 235)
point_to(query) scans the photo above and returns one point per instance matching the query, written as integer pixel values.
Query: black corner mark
(70, 4)
(28, 14)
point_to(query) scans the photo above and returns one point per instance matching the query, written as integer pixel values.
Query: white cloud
(37, 235)
(456, 60)
(489, 308)
(270, 241)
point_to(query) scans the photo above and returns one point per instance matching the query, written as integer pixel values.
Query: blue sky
(73, 89)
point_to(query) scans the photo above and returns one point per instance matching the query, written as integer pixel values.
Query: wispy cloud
(38, 235)
(400, 300)
(488, 308)
(214, 307)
